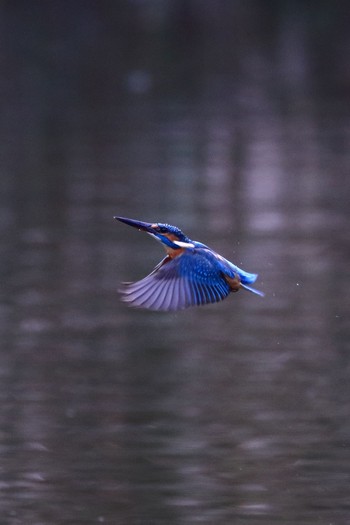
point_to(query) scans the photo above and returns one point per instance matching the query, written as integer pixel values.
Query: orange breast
(174, 253)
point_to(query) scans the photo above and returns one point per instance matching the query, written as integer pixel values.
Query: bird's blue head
(171, 232)
(165, 233)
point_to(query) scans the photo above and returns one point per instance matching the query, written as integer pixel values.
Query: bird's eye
(162, 229)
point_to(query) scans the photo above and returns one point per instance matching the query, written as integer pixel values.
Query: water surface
(233, 413)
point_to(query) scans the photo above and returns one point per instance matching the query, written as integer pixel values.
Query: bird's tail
(246, 277)
(253, 290)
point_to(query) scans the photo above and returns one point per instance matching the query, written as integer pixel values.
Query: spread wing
(190, 279)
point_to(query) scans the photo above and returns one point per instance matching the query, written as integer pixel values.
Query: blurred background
(229, 119)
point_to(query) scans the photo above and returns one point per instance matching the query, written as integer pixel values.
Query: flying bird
(191, 274)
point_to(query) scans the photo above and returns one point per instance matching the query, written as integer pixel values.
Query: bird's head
(171, 236)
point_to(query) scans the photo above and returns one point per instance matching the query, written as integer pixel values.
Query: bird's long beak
(142, 226)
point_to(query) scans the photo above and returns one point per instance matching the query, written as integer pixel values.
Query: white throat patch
(181, 244)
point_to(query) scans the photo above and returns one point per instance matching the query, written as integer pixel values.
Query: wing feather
(197, 293)
(168, 292)
(193, 278)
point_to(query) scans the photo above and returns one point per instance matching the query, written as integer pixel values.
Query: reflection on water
(233, 412)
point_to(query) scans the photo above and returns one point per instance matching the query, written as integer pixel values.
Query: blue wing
(193, 278)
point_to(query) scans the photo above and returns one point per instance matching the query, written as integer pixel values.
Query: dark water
(233, 413)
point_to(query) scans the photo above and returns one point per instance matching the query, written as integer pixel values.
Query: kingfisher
(191, 273)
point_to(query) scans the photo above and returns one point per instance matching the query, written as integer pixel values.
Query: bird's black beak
(142, 226)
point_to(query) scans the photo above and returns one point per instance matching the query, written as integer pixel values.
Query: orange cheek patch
(172, 237)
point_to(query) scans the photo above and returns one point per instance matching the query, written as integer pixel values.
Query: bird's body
(191, 274)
